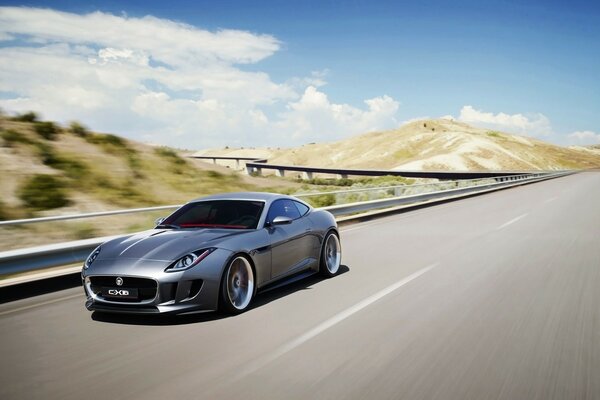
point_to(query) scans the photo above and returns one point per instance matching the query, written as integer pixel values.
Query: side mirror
(159, 221)
(281, 220)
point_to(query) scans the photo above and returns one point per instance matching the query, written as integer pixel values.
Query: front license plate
(120, 293)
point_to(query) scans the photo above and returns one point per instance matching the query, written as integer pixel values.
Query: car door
(290, 242)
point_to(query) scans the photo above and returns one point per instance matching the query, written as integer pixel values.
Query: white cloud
(166, 81)
(531, 125)
(584, 137)
(314, 117)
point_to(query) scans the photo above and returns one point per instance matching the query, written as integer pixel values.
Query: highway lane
(496, 296)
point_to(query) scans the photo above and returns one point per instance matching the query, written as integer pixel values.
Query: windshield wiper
(167, 226)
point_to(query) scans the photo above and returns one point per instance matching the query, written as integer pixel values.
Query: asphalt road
(491, 297)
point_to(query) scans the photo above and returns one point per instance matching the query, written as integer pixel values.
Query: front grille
(146, 287)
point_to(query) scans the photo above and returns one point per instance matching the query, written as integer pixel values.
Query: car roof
(252, 196)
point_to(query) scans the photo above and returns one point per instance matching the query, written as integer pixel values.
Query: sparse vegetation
(328, 181)
(110, 143)
(4, 214)
(26, 117)
(177, 163)
(12, 137)
(90, 171)
(215, 174)
(43, 192)
(78, 129)
(495, 134)
(46, 129)
(322, 200)
(387, 180)
(84, 230)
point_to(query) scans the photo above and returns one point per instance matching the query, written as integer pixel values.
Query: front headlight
(189, 260)
(91, 258)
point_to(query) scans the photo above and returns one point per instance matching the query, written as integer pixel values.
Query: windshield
(227, 214)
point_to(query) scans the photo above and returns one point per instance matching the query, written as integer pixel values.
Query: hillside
(49, 170)
(431, 145)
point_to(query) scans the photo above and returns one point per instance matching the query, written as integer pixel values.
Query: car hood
(164, 244)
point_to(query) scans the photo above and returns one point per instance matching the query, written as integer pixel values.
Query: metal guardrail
(76, 251)
(86, 215)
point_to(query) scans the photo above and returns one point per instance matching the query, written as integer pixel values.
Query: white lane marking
(325, 325)
(40, 304)
(550, 199)
(512, 221)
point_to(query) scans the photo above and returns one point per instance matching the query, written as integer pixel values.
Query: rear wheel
(331, 255)
(237, 286)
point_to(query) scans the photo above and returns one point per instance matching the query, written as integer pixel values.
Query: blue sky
(527, 67)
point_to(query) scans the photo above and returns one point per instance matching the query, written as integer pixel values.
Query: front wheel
(331, 255)
(237, 287)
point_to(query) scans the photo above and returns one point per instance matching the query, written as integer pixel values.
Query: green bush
(78, 129)
(12, 137)
(72, 168)
(329, 181)
(495, 134)
(107, 141)
(43, 192)
(27, 117)
(322, 200)
(46, 129)
(84, 231)
(214, 174)
(3, 212)
(170, 155)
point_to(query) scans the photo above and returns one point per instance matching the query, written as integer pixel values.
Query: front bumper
(157, 292)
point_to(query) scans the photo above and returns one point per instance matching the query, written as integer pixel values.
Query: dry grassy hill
(431, 145)
(49, 170)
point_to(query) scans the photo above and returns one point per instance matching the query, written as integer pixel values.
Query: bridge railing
(60, 254)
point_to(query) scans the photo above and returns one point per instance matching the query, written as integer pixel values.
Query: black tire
(233, 298)
(331, 255)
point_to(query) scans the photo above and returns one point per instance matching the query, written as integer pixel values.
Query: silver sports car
(212, 253)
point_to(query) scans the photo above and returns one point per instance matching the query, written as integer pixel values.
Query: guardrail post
(280, 173)
(237, 163)
(343, 176)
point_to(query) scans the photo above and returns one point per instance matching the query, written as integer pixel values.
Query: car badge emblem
(119, 281)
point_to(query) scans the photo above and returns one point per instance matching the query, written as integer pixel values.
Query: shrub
(43, 192)
(12, 137)
(27, 117)
(214, 174)
(495, 134)
(48, 130)
(84, 231)
(170, 155)
(329, 181)
(323, 200)
(72, 168)
(78, 129)
(106, 141)
(3, 213)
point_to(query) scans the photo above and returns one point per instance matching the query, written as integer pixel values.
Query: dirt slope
(431, 145)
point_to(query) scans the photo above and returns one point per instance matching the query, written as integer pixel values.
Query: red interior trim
(212, 226)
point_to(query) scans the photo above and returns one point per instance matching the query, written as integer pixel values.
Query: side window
(284, 208)
(303, 209)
